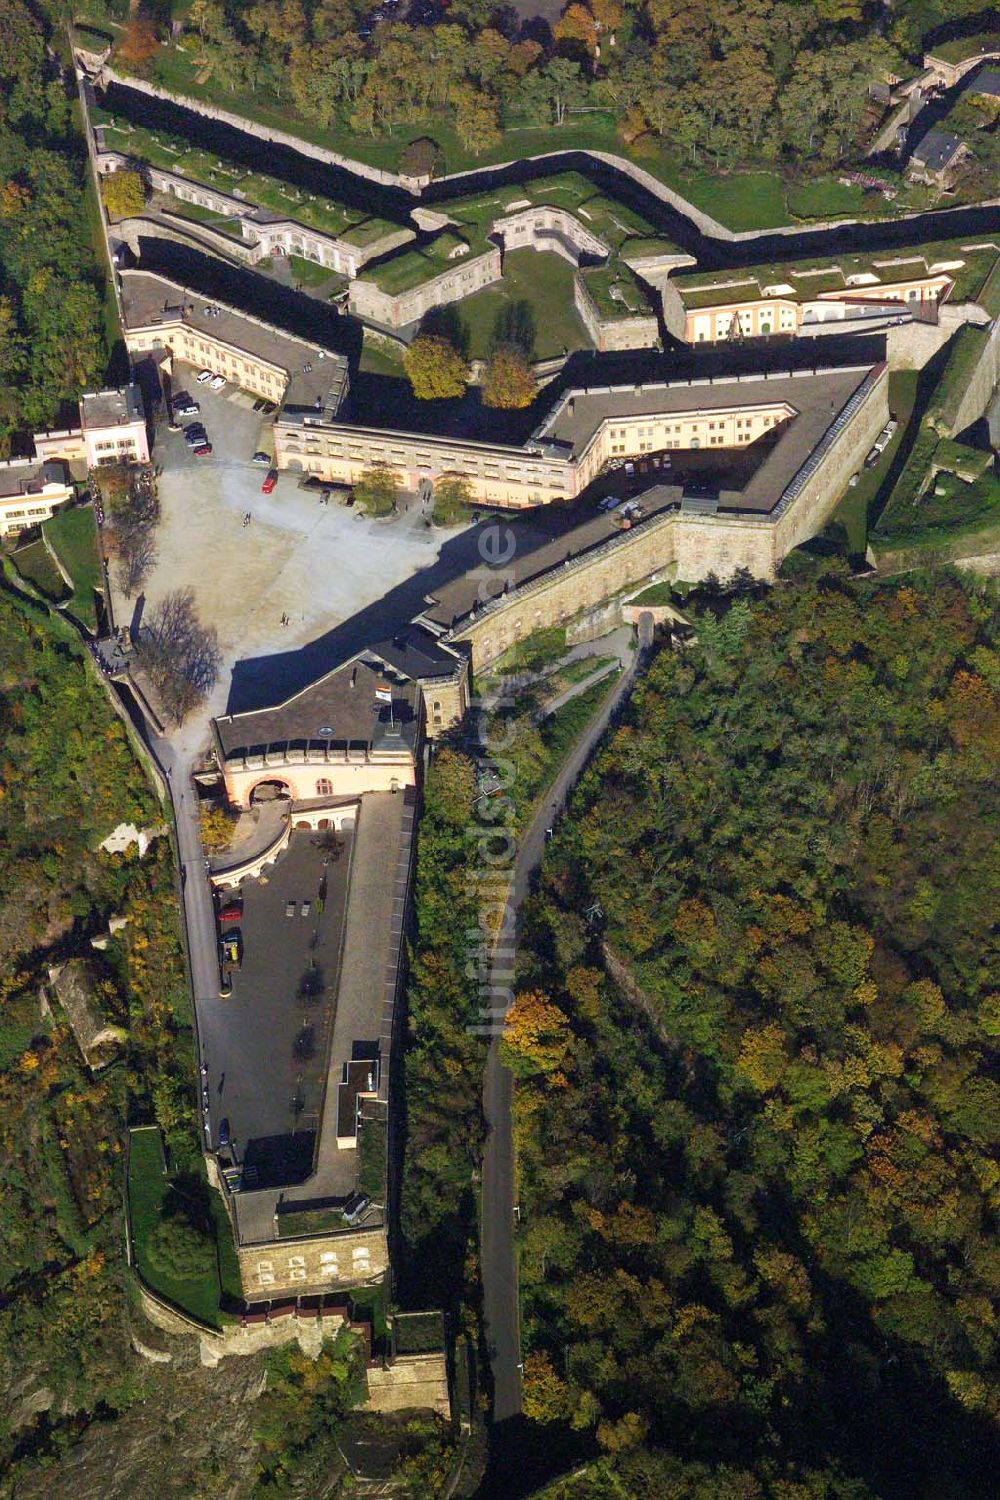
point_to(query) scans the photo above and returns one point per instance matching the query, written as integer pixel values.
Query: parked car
(261, 458)
(608, 502)
(203, 451)
(204, 375)
(231, 912)
(231, 944)
(224, 1136)
(217, 383)
(306, 908)
(186, 409)
(290, 908)
(194, 429)
(270, 480)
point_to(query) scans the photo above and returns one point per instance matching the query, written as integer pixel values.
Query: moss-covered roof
(810, 278)
(615, 291)
(174, 154)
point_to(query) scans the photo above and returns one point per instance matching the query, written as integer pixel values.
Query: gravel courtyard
(316, 565)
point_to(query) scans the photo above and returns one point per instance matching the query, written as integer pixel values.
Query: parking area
(296, 561)
(265, 1046)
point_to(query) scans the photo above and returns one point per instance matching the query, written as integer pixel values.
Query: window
(324, 787)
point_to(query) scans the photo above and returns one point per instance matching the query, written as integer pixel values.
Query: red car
(231, 912)
(270, 480)
(202, 450)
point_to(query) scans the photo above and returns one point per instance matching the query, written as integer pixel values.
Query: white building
(30, 491)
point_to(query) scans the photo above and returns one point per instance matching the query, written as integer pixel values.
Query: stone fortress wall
(680, 545)
(630, 331)
(260, 238)
(396, 310)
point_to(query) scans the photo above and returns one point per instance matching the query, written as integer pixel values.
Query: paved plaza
(316, 565)
(266, 1045)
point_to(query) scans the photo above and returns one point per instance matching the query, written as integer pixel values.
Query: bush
(177, 1247)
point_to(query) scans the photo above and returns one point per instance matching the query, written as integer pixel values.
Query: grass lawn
(34, 563)
(741, 200)
(855, 507)
(543, 280)
(148, 1186)
(378, 361)
(657, 593)
(826, 198)
(752, 200)
(966, 46)
(308, 273)
(72, 534)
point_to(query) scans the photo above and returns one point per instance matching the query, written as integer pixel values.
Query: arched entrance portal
(270, 791)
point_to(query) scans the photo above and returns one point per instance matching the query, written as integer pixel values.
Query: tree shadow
(447, 323)
(515, 327)
(312, 985)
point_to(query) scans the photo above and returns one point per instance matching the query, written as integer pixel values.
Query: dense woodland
(51, 343)
(723, 80)
(755, 1047)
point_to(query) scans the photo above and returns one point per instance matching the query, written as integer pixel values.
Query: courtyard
(266, 1044)
(297, 560)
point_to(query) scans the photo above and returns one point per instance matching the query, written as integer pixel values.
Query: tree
(508, 382)
(123, 194)
(377, 488)
(139, 44)
(179, 1248)
(217, 825)
(565, 86)
(437, 371)
(536, 1036)
(477, 123)
(452, 498)
(180, 655)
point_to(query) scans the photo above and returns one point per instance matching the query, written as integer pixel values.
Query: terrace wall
(608, 334)
(260, 239)
(469, 274)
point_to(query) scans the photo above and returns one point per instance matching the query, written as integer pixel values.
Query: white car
(218, 383)
(203, 376)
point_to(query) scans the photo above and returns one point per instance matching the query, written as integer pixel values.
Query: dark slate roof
(937, 149)
(987, 82)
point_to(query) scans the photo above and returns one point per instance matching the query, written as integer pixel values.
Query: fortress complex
(793, 297)
(785, 441)
(250, 215)
(788, 414)
(606, 242)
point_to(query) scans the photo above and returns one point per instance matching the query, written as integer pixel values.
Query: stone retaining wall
(704, 221)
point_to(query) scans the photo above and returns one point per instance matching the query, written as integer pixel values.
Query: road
(498, 1257)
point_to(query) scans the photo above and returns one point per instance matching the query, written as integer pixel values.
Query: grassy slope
(72, 534)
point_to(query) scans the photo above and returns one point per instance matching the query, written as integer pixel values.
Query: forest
(51, 340)
(755, 1049)
(724, 81)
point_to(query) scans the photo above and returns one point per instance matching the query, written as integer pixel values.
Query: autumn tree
(123, 193)
(508, 381)
(536, 1037)
(138, 44)
(437, 371)
(452, 498)
(377, 488)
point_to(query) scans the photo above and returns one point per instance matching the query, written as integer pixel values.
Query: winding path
(501, 1303)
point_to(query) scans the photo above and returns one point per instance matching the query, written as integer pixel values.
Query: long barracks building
(800, 432)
